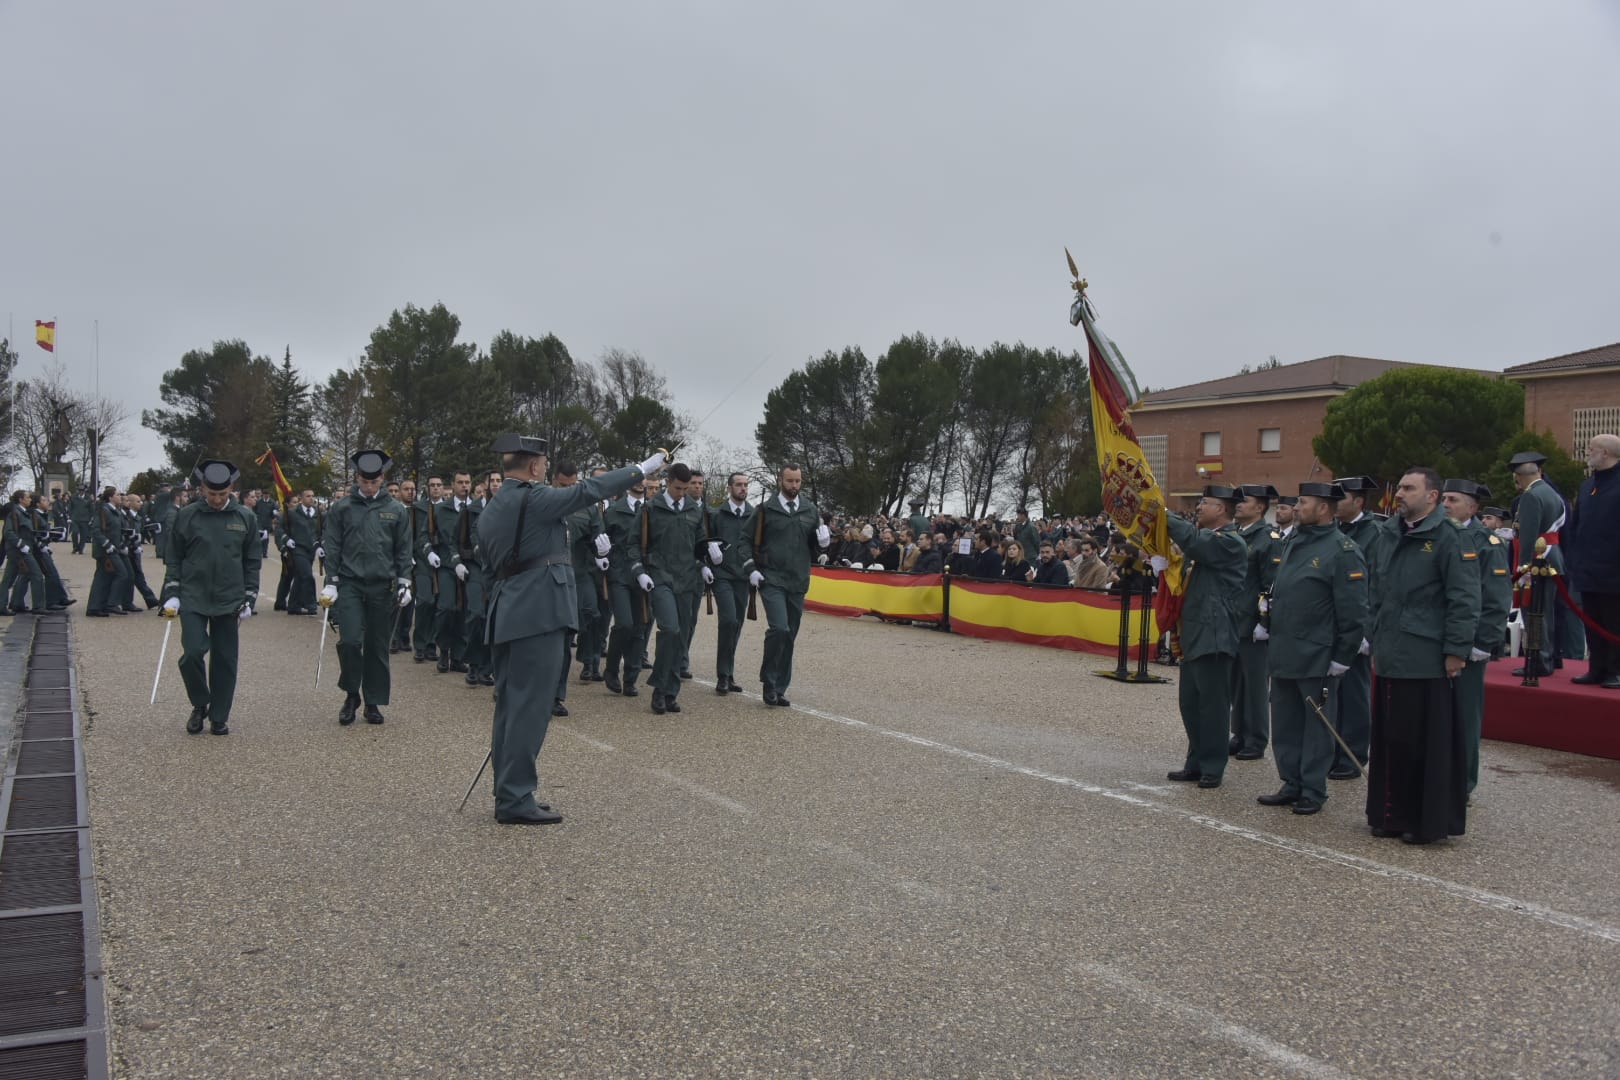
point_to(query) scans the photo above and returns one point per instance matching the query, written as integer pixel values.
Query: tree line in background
(44, 419)
(433, 401)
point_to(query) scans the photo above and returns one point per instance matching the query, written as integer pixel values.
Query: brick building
(1254, 428)
(1574, 396)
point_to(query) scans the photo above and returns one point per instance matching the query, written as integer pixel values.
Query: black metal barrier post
(1128, 585)
(945, 601)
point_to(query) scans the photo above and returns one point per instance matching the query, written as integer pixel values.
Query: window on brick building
(1270, 440)
(1156, 449)
(1590, 422)
(1212, 444)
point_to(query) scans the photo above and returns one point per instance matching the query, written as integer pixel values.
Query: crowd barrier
(1080, 620)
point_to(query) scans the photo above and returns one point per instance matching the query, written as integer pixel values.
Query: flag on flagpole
(1386, 505)
(1132, 497)
(45, 335)
(283, 488)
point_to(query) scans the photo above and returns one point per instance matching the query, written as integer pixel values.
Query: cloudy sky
(725, 185)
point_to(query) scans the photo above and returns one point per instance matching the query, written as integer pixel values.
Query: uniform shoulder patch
(1275, 535)
(1495, 539)
(1349, 545)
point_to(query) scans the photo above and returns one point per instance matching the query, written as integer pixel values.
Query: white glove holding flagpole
(823, 534)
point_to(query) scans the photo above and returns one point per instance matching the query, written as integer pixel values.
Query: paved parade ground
(950, 858)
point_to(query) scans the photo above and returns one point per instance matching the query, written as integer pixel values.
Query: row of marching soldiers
(1283, 626)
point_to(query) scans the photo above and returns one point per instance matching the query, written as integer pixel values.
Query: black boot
(373, 716)
(198, 715)
(558, 708)
(596, 670)
(486, 677)
(350, 703)
(611, 681)
(472, 674)
(630, 687)
(444, 662)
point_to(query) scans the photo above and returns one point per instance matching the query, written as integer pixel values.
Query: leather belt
(512, 569)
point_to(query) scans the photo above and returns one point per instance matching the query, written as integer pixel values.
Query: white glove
(1366, 647)
(461, 571)
(403, 597)
(1261, 633)
(1335, 670)
(821, 560)
(857, 566)
(756, 579)
(645, 582)
(603, 544)
(652, 464)
(328, 596)
(25, 549)
(1160, 564)
(708, 576)
(291, 543)
(433, 559)
(1477, 655)
(1029, 575)
(320, 552)
(264, 534)
(716, 556)
(602, 564)
(171, 607)
(823, 535)
(246, 612)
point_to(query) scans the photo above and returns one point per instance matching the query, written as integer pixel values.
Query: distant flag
(1386, 505)
(283, 488)
(45, 335)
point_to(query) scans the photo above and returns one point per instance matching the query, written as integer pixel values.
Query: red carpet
(1557, 714)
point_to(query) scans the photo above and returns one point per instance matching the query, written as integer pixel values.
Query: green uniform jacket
(1371, 537)
(584, 526)
(621, 522)
(1318, 603)
(1495, 583)
(1209, 614)
(367, 540)
(106, 529)
(670, 554)
(918, 523)
(304, 529)
(211, 559)
(19, 528)
(265, 513)
(1265, 555)
(1425, 599)
(728, 527)
(1540, 511)
(787, 543)
(1030, 541)
(541, 598)
(79, 508)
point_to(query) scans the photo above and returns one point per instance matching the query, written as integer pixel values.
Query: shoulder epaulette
(1495, 539)
(1349, 545)
(1275, 535)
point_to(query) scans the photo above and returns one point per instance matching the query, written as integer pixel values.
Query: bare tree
(339, 406)
(626, 374)
(53, 423)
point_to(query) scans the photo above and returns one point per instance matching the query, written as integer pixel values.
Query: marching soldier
(450, 618)
(210, 580)
(1462, 499)
(726, 528)
(778, 542)
(404, 618)
(1352, 699)
(475, 591)
(298, 537)
(1209, 621)
(627, 640)
(698, 508)
(424, 526)
(265, 510)
(368, 562)
(588, 544)
(1251, 696)
(23, 575)
(524, 539)
(80, 508)
(135, 545)
(111, 582)
(45, 514)
(599, 581)
(1318, 618)
(664, 550)
(1541, 515)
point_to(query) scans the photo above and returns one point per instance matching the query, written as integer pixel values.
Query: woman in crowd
(1014, 566)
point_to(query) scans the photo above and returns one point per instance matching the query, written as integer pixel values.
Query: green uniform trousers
(1471, 714)
(783, 612)
(23, 576)
(1352, 711)
(671, 613)
(216, 638)
(1206, 708)
(628, 639)
(1251, 699)
(110, 583)
(1300, 741)
(730, 604)
(526, 674)
(691, 608)
(365, 615)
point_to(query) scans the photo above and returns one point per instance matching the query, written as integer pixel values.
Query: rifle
(708, 538)
(433, 542)
(759, 557)
(646, 530)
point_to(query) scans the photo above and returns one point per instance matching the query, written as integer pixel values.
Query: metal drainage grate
(43, 957)
(40, 870)
(45, 756)
(50, 725)
(53, 1061)
(43, 802)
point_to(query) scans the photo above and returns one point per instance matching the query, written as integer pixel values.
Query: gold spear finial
(1079, 282)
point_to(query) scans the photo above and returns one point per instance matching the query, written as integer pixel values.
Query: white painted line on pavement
(700, 791)
(595, 744)
(915, 889)
(1540, 912)
(1214, 1024)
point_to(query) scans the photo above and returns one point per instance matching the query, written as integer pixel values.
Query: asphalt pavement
(949, 858)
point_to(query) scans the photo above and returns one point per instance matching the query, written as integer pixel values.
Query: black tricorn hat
(1220, 491)
(511, 442)
(216, 474)
(370, 463)
(1356, 483)
(914, 503)
(1527, 457)
(1497, 511)
(1319, 490)
(1288, 500)
(1467, 487)
(1257, 491)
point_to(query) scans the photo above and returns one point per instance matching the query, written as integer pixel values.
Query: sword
(488, 754)
(320, 655)
(1334, 731)
(161, 654)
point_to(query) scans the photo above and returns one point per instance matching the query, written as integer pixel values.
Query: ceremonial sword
(1360, 765)
(320, 655)
(161, 654)
(488, 754)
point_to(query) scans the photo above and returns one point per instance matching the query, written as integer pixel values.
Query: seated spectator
(909, 551)
(929, 560)
(887, 556)
(1013, 565)
(1090, 572)
(987, 556)
(1052, 570)
(849, 552)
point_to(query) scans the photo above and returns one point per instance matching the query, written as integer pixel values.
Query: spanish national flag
(45, 335)
(283, 488)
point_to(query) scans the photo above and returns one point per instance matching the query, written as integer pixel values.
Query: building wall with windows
(1574, 397)
(1235, 441)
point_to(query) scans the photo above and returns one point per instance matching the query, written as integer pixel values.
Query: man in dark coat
(1592, 538)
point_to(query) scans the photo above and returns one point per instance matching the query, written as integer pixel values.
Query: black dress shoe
(584, 672)
(419, 656)
(1307, 806)
(596, 671)
(373, 716)
(486, 678)
(1184, 775)
(1382, 834)
(1233, 747)
(432, 652)
(281, 607)
(1281, 798)
(540, 815)
(393, 647)
(658, 702)
(472, 676)
(671, 705)
(350, 704)
(683, 675)
(720, 687)
(731, 684)
(1589, 679)
(457, 665)
(1414, 838)
(630, 690)
(1343, 772)
(781, 699)
(1209, 781)
(195, 721)
(92, 614)
(219, 729)
(770, 696)
(444, 664)
(612, 683)
(1249, 755)
(1611, 683)
(558, 708)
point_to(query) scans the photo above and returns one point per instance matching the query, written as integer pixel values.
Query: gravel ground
(950, 858)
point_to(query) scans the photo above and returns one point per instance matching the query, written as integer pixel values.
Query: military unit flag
(283, 488)
(45, 334)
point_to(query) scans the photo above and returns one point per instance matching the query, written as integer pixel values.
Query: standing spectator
(1592, 540)
(1028, 539)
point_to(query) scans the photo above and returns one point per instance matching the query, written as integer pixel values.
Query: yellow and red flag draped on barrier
(45, 334)
(283, 488)
(1132, 497)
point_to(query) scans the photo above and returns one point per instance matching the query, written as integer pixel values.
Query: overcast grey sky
(712, 184)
